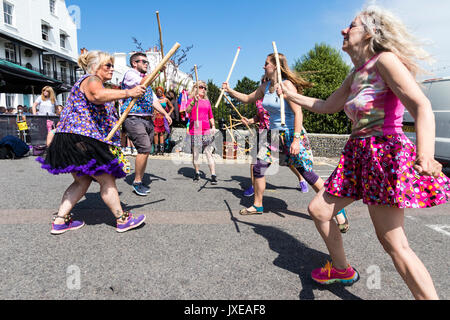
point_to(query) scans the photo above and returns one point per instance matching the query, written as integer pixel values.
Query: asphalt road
(194, 245)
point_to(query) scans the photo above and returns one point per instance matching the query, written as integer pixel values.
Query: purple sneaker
(68, 225)
(131, 222)
(304, 186)
(249, 192)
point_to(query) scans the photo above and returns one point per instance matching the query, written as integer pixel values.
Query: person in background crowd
(58, 109)
(3, 110)
(172, 96)
(158, 120)
(45, 104)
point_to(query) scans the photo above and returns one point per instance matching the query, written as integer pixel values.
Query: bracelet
(297, 135)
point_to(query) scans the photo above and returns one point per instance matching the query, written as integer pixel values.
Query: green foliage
(325, 68)
(223, 112)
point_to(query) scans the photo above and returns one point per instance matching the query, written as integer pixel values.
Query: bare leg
(319, 186)
(211, 163)
(72, 195)
(389, 227)
(195, 157)
(260, 187)
(297, 174)
(141, 165)
(109, 194)
(323, 208)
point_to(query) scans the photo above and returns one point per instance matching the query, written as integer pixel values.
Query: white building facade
(176, 79)
(41, 36)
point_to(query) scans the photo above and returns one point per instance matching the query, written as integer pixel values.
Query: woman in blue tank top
(292, 148)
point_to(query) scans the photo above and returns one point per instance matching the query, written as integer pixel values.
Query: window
(10, 52)
(45, 32)
(10, 97)
(52, 6)
(62, 40)
(64, 72)
(8, 12)
(47, 67)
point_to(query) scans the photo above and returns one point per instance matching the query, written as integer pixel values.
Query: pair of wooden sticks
(280, 79)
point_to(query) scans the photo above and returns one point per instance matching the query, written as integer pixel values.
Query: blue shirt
(272, 103)
(144, 105)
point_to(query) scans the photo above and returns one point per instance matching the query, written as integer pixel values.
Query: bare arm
(245, 98)
(191, 105)
(159, 107)
(171, 107)
(298, 117)
(33, 108)
(333, 104)
(405, 87)
(97, 94)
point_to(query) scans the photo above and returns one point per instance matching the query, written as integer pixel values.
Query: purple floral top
(87, 119)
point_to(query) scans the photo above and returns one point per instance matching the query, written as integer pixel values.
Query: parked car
(438, 92)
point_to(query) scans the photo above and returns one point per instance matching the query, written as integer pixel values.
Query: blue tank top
(272, 103)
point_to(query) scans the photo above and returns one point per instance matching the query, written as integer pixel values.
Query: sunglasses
(143, 61)
(202, 87)
(109, 66)
(352, 25)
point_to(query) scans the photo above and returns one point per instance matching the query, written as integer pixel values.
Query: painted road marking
(441, 228)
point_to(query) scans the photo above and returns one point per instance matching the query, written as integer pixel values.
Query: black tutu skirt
(84, 156)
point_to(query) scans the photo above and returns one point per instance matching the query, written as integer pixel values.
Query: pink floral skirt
(379, 170)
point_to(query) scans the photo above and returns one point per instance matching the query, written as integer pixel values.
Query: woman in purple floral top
(80, 146)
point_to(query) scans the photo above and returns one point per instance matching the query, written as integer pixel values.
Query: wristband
(297, 135)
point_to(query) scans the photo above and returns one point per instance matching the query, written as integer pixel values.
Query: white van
(438, 92)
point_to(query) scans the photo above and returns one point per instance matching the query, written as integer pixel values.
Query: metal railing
(65, 78)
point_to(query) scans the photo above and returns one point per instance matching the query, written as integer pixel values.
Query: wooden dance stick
(234, 125)
(147, 82)
(231, 131)
(198, 88)
(229, 76)
(161, 41)
(280, 80)
(238, 113)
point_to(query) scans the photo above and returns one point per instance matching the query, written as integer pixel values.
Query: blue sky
(217, 28)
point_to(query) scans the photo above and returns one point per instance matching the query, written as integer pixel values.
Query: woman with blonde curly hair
(379, 164)
(80, 145)
(45, 104)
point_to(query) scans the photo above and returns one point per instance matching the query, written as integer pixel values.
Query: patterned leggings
(260, 168)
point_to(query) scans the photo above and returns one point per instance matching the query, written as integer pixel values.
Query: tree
(324, 67)
(225, 110)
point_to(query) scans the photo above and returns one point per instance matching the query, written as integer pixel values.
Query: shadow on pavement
(297, 258)
(147, 179)
(93, 211)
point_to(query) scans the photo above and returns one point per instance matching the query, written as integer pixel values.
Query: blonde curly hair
(389, 33)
